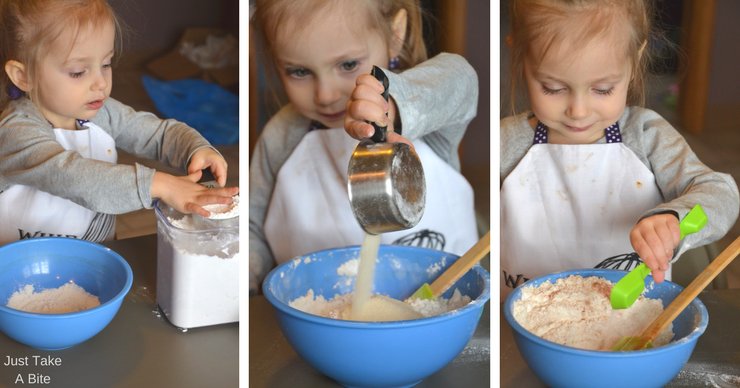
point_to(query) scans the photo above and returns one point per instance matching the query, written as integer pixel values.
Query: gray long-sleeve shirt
(436, 101)
(682, 178)
(30, 155)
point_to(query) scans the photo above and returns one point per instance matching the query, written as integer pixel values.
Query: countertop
(139, 348)
(715, 361)
(274, 364)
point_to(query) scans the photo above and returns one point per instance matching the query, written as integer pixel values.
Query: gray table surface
(274, 364)
(715, 361)
(138, 348)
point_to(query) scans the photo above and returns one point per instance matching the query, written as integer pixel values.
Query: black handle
(379, 136)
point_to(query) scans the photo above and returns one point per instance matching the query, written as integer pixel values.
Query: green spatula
(645, 339)
(627, 289)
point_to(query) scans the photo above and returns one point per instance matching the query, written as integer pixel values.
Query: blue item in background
(205, 106)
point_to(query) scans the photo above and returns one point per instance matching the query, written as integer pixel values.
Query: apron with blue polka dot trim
(611, 134)
(569, 206)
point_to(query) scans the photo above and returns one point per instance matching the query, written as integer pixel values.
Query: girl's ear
(16, 71)
(398, 26)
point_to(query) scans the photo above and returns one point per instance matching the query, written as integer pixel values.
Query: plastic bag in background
(212, 110)
(217, 52)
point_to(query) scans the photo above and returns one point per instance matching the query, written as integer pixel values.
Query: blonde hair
(28, 28)
(547, 22)
(287, 16)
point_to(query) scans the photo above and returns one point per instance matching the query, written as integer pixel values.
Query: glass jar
(197, 268)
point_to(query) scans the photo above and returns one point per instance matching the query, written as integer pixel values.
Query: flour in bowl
(339, 307)
(67, 298)
(576, 311)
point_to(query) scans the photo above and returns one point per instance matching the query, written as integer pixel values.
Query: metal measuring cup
(386, 183)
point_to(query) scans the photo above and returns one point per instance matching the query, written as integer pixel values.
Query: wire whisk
(625, 261)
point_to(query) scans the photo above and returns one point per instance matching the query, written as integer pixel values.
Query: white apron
(27, 212)
(310, 209)
(571, 206)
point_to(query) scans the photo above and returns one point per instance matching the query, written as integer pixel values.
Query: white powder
(349, 268)
(197, 273)
(576, 311)
(220, 212)
(339, 306)
(185, 223)
(67, 298)
(436, 267)
(432, 307)
(336, 308)
(217, 212)
(197, 290)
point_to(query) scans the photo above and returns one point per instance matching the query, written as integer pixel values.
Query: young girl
(59, 130)
(587, 173)
(298, 200)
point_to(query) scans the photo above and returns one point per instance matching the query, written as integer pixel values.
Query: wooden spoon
(455, 271)
(682, 300)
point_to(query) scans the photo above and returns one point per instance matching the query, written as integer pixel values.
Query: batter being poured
(368, 307)
(363, 305)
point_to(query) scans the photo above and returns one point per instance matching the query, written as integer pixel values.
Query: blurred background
(154, 32)
(696, 87)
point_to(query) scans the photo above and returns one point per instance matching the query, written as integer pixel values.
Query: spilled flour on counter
(576, 311)
(67, 298)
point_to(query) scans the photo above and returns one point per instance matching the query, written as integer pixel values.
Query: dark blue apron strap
(540, 134)
(611, 133)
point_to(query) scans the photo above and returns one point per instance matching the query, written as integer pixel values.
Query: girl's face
(318, 67)
(72, 84)
(577, 93)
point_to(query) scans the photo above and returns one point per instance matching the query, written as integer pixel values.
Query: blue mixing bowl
(375, 354)
(563, 366)
(50, 263)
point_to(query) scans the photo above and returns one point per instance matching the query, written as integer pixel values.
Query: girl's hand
(654, 239)
(186, 195)
(366, 104)
(208, 158)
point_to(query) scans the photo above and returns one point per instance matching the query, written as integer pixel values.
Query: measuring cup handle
(379, 136)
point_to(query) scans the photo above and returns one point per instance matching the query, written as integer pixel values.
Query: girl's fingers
(219, 172)
(192, 207)
(195, 176)
(364, 110)
(367, 80)
(658, 250)
(370, 95)
(666, 238)
(644, 250)
(393, 137)
(675, 230)
(658, 276)
(359, 129)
